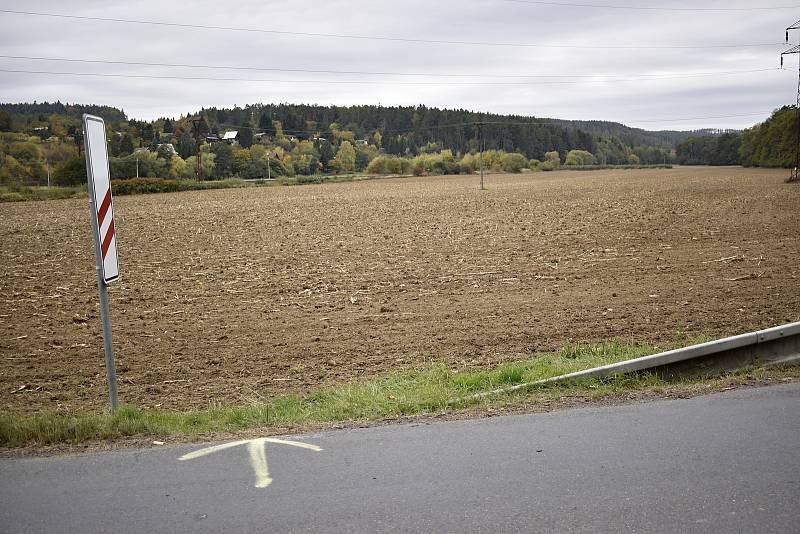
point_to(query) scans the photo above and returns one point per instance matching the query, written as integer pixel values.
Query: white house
(230, 137)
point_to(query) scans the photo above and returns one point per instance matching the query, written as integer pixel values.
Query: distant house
(211, 138)
(140, 150)
(259, 136)
(230, 137)
(362, 142)
(293, 139)
(167, 147)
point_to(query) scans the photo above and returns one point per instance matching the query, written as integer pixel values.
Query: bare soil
(229, 296)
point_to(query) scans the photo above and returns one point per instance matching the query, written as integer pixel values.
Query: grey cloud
(470, 20)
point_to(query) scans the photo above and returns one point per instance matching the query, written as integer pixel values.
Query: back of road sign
(100, 196)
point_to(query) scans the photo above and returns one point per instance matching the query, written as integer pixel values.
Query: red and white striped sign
(100, 194)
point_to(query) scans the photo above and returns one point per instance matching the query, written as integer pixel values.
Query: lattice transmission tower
(794, 177)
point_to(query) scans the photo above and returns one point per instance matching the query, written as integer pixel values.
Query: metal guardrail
(780, 344)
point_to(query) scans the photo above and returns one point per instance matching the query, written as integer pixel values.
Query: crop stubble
(232, 295)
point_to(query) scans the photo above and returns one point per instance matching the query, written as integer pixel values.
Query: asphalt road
(723, 463)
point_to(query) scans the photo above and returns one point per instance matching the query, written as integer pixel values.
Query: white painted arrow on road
(258, 454)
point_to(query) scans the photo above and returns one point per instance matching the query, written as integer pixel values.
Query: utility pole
(481, 146)
(199, 162)
(47, 165)
(137, 164)
(196, 123)
(794, 176)
(79, 143)
(269, 172)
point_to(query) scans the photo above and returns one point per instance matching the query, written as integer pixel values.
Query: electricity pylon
(794, 176)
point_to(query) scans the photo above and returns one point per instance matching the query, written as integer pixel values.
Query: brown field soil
(234, 295)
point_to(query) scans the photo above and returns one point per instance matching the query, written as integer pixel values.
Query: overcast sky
(631, 98)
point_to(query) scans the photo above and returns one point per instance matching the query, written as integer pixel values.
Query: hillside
(304, 139)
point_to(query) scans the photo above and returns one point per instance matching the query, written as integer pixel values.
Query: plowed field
(233, 295)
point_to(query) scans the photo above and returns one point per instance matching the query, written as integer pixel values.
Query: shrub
(513, 162)
(70, 172)
(136, 186)
(579, 157)
(384, 164)
(548, 166)
(553, 159)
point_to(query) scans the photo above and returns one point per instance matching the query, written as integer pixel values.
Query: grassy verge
(21, 193)
(142, 186)
(606, 167)
(424, 391)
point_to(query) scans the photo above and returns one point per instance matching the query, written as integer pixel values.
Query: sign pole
(103, 233)
(108, 348)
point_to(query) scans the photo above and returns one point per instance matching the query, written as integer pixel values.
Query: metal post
(47, 164)
(269, 172)
(111, 371)
(795, 175)
(102, 290)
(137, 165)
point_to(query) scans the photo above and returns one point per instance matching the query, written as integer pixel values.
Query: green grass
(140, 186)
(21, 193)
(432, 389)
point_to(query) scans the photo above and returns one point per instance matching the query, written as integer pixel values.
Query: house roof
(230, 135)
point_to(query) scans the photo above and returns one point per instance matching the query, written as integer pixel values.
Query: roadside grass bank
(432, 390)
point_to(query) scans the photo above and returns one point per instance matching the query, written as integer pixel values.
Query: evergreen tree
(200, 127)
(126, 144)
(265, 125)
(186, 145)
(223, 158)
(326, 154)
(5, 121)
(246, 135)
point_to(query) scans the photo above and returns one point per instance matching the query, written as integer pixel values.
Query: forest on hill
(270, 140)
(771, 143)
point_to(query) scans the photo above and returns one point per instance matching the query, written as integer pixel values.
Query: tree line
(296, 139)
(771, 143)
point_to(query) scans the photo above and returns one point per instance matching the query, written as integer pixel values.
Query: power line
(376, 73)
(706, 117)
(358, 82)
(557, 122)
(542, 122)
(376, 38)
(652, 8)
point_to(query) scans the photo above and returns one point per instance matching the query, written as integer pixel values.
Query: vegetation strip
(422, 391)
